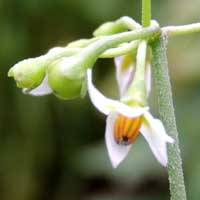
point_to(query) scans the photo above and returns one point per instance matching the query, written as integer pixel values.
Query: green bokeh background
(53, 149)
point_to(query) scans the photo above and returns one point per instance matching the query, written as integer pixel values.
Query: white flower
(123, 125)
(42, 89)
(125, 69)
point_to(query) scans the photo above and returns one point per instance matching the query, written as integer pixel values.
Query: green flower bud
(109, 28)
(122, 24)
(66, 78)
(29, 73)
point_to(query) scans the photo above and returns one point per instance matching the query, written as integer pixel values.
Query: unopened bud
(109, 28)
(122, 24)
(29, 73)
(66, 78)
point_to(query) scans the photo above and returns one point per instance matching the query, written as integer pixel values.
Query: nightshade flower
(123, 124)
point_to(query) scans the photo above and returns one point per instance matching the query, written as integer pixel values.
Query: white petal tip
(157, 139)
(115, 164)
(162, 158)
(170, 140)
(117, 153)
(117, 157)
(164, 164)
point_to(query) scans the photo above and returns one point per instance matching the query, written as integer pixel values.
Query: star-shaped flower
(124, 123)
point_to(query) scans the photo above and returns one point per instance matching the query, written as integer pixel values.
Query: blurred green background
(53, 149)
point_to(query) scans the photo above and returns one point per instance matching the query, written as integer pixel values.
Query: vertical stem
(146, 13)
(166, 109)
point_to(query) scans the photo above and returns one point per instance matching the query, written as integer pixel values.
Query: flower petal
(103, 104)
(124, 73)
(128, 111)
(154, 133)
(148, 78)
(42, 89)
(116, 152)
(157, 126)
(157, 145)
(106, 105)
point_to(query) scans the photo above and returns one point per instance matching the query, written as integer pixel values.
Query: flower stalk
(181, 30)
(146, 12)
(166, 110)
(93, 51)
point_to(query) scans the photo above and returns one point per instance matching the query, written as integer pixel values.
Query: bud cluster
(62, 71)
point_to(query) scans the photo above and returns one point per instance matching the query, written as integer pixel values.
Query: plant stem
(181, 30)
(166, 110)
(146, 13)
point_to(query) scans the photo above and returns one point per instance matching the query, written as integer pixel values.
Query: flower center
(126, 129)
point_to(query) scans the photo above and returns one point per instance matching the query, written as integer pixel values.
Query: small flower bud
(109, 28)
(122, 24)
(29, 73)
(66, 78)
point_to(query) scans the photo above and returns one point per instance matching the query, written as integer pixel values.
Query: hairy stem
(166, 109)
